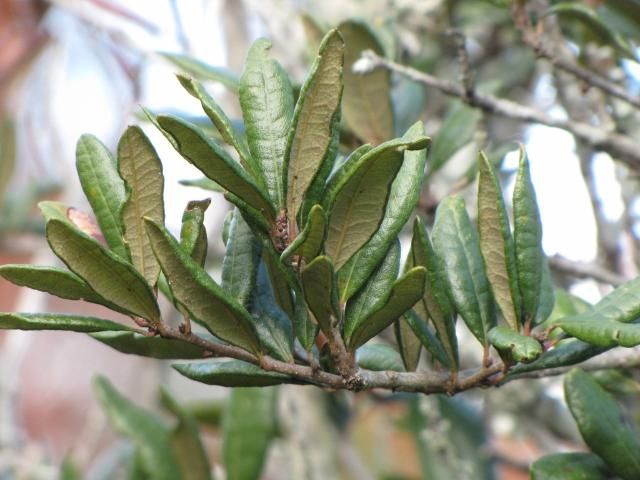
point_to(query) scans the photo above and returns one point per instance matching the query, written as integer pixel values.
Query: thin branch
(619, 146)
(585, 270)
(587, 76)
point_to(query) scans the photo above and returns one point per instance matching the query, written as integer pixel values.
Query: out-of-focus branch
(619, 146)
(585, 75)
(585, 270)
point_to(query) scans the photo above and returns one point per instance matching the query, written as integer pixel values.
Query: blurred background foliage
(74, 66)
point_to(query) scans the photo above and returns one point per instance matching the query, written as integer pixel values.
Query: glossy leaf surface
(147, 346)
(230, 373)
(58, 321)
(379, 357)
(569, 466)
(318, 283)
(522, 348)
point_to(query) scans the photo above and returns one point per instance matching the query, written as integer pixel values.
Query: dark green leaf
(241, 260)
(496, 244)
(456, 243)
(141, 170)
(248, 428)
(567, 352)
(103, 188)
(108, 275)
(601, 332)
(602, 424)
(357, 197)
(266, 99)
(186, 443)
(231, 373)
(54, 281)
(313, 121)
(224, 125)
(367, 102)
(196, 291)
(404, 294)
(271, 322)
(408, 100)
(375, 290)
(435, 302)
(547, 294)
(215, 163)
(146, 431)
(203, 71)
(203, 183)
(522, 348)
(423, 333)
(379, 357)
(308, 243)
(569, 466)
(57, 321)
(456, 131)
(527, 234)
(409, 345)
(403, 197)
(318, 282)
(193, 234)
(147, 346)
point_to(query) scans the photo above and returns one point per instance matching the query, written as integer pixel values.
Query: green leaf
(109, 276)
(366, 107)
(313, 121)
(423, 333)
(103, 188)
(271, 323)
(318, 282)
(377, 288)
(435, 302)
(186, 443)
(496, 244)
(404, 294)
(266, 100)
(149, 435)
(403, 197)
(309, 241)
(358, 197)
(7, 153)
(223, 124)
(147, 346)
(379, 357)
(596, 25)
(409, 345)
(193, 234)
(203, 183)
(527, 234)
(457, 244)
(215, 163)
(248, 427)
(547, 294)
(241, 261)
(567, 352)
(408, 98)
(231, 373)
(522, 348)
(456, 131)
(51, 210)
(196, 291)
(602, 424)
(141, 170)
(54, 281)
(203, 71)
(569, 466)
(280, 279)
(57, 321)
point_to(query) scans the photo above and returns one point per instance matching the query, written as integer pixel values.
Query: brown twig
(585, 270)
(620, 146)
